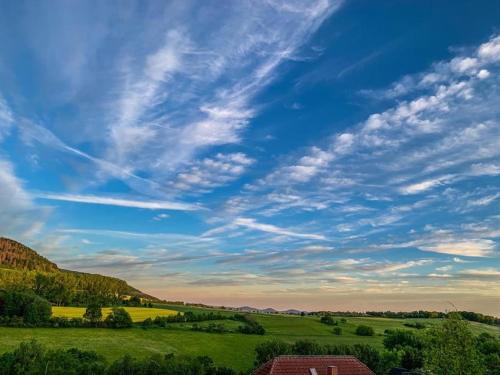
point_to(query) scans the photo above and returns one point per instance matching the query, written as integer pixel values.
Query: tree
(93, 313)
(38, 311)
(270, 349)
(306, 347)
(489, 346)
(399, 338)
(337, 331)
(328, 319)
(408, 344)
(363, 330)
(33, 309)
(118, 318)
(451, 350)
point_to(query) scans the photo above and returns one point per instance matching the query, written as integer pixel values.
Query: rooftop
(302, 365)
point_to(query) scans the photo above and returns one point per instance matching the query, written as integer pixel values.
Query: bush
(32, 358)
(93, 313)
(212, 328)
(62, 322)
(363, 330)
(306, 347)
(38, 311)
(33, 310)
(118, 318)
(416, 325)
(337, 331)
(251, 327)
(161, 321)
(147, 323)
(399, 338)
(328, 319)
(270, 349)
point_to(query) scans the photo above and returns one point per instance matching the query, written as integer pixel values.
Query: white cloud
(209, 173)
(477, 248)
(481, 272)
(440, 136)
(269, 228)
(490, 51)
(483, 74)
(420, 187)
(484, 201)
(209, 103)
(160, 217)
(110, 201)
(18, 213)
(6, 117)
(392, 267)
(485, 169)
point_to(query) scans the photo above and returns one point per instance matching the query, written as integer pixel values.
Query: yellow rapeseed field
(138, 314)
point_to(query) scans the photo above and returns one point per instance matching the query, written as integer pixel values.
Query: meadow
(138, 314)
(228, 349)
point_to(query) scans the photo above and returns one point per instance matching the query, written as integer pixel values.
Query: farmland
(138, 314)
(229, 349)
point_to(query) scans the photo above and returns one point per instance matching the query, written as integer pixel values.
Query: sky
(321, 154)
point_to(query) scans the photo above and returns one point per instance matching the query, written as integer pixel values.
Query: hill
(21, 266)
(15, 255)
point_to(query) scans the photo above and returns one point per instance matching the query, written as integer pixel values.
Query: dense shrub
(337, 331)
(270, 349)
(118, 318)
(93, 313)
(251, 327)
(328, 319)
(167, 365)
(399, 338)
(32, 309)
(38, 311)
(416, 325)
(363, 330)
(211, 328)
(33, 359)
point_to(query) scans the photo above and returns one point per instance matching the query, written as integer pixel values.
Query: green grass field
(228, 349)
(138, 314)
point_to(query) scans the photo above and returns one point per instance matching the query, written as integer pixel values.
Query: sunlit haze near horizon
(318, 155)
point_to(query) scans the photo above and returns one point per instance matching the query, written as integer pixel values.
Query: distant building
(314, 365)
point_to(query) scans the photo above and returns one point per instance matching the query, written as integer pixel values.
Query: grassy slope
(138, 314)
(233, 350)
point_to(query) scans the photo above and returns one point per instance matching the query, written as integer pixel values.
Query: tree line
(467, 315)
(34, 359)
(65, 288)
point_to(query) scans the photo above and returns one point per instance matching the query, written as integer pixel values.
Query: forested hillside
(15, 255)
(22, 268)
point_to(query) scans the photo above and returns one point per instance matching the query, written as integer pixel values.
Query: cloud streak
(119, 202)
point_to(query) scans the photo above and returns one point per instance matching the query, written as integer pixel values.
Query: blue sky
(319, 154)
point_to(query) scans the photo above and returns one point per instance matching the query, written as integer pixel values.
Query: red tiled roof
(300, 365)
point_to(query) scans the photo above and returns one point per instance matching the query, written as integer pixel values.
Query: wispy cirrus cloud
(120, 202)
(269, 228)
(243, 54)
